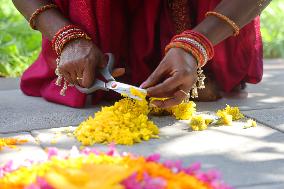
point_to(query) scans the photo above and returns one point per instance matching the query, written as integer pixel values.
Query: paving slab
(30, 150)
(264, 186)
(9, 83)
(265, 95)
(24, 113)
(273, 118)
(244, 156)
(62, 138)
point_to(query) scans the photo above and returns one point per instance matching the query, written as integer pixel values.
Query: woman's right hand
(79, 60)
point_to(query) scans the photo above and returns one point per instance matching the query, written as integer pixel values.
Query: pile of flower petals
(83, 169)
(11, 142)
(183, 111)
(126, 123)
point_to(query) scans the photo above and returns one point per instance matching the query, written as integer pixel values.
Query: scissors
(111, 83)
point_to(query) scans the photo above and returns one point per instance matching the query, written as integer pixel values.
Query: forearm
(216, 30)
(48, 22)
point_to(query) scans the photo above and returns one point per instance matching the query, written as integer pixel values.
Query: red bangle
(189, 49)
(199, 38)
(204, 40)
(56, 36)
(69, 38)
(195, 43)
(65, 35)
(59, 43)
(39, 11)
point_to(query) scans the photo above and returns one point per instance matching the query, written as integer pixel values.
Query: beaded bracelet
(69, 37)
(63, 33)
(199, 42)
(194, 45)
(61, 38)
(233, 25)
(38, 12)
(200, 48)
(201, 39)
(189, 49)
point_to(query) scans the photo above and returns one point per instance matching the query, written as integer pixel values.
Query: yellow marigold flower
(126, 122)
(11, 142)
(27, 175)
(183, 111)
(156, 110)
(208, 121)
(250, 123)
(234, 112)
(199, 123)
(82, 178)
(224, 118)
(137, 93)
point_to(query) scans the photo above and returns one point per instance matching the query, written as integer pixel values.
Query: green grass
(272, 29)
(19, 45)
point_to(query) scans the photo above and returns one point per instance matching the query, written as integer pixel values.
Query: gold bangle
(39, 11)
(234, 26)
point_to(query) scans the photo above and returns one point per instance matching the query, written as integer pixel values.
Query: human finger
(178, 97)
(155, 77)
(117, 72)
(166, 88)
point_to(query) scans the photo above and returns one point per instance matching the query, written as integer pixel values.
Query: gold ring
(79, 78)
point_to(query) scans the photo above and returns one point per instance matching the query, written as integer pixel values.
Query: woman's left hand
(172, 79)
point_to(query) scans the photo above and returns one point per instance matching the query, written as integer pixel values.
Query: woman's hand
(79, 60)
(172, 79)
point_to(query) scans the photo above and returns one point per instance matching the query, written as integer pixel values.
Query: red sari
(136, 32)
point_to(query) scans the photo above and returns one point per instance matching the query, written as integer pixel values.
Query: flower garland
(83, 169)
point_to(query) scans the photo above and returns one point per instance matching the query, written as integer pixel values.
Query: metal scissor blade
(124, 89)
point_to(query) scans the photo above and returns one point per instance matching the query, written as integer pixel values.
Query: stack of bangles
(61, 38)
(198, 46)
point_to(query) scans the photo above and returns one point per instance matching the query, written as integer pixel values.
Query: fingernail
(142, 85)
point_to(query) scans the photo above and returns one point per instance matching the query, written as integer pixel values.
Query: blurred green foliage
(272, 29)
(19, 45)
